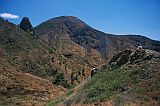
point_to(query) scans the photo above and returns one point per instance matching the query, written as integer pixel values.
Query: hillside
(121, 42)
(58, 32)
(84, 47)
(77, 60)
(55, 59)
(26, 68)
(130, 78)
(72, 29)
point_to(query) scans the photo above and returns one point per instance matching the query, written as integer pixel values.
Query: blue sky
(110, 16)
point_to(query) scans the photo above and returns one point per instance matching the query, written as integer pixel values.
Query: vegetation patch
(117, 83)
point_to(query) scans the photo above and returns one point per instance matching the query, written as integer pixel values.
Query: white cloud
(8, 15)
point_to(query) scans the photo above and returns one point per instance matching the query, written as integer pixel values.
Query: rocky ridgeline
(128, 57)
(131, 57)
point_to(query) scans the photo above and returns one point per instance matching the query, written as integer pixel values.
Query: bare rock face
(26, 25)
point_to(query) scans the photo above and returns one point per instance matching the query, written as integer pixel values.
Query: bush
(57, 77)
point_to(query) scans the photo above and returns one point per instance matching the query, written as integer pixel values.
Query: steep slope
(77, 59)
(27, 74)
(71, 29)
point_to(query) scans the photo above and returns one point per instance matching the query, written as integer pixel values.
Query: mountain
(67, 33)
(73, 29)
(40, 64)
(25, 57)
(58, 33)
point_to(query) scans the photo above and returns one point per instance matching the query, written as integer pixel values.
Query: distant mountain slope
(61, 34)
(72, 29)
(136, 40)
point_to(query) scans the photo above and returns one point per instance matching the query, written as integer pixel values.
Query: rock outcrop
(120, 58)
(130, 57)
(26, 25)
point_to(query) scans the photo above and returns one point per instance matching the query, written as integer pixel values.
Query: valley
(52, 63)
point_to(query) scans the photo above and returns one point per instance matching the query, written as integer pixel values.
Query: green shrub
(57, 77)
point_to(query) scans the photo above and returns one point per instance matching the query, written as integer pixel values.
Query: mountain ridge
(81, 33)
(61, 53)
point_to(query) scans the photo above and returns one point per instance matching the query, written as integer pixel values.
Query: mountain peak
(26, 25)
(67, 17)
(68, 20)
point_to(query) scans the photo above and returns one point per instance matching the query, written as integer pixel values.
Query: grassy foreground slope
(134, 82)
